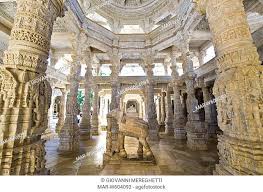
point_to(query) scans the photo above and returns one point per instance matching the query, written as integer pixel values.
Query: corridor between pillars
(240, 79)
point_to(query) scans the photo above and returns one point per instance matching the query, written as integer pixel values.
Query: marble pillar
(25, 95)
(115, 97)
(95, 119)
(179, 119)
(163, 111)
(159, 110)
(62, 108)
(51, 110)
(69, 134)
(169, 128)
(85, 124)
(240, 80)
(211, 131)
(151, 108)
(141, 109)
(195, 128)
(115, 85)
(214, 123)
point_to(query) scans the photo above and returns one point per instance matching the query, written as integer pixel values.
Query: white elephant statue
(132, 127)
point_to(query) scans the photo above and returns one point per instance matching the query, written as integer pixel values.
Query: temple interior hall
(131, 87)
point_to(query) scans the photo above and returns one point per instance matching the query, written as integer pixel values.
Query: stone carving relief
(41, 103)
(8, 86)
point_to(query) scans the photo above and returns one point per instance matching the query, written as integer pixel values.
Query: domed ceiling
(132, 3)
(130, 12)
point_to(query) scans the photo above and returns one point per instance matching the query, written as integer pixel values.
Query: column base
(94, 132)
(84, 136)
(169, 130)
(68, 146)
(69, 136)
(154, 135)
(28, 159)
(196, 136)
(221, 171)
(226, 170)
(84, 127)
(180, 134)
(153, 130)
(211, 130)
(239, 157)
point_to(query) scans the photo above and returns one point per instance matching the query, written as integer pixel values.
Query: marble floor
(172, 157)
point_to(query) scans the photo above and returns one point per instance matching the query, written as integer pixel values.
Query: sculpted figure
(132, 127)
(42, 101)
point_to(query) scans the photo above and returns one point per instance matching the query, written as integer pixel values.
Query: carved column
(85, 124)
(95, 119)
(24, 105)
(214, 123)
(169, 128)
(69, 134)
(61, 114)
(151, 108)
(240, 78)
(163, 108)
(51, 110)
(115, 97)
(208, 116)
(141, 109)
(159, 109)
(179, 119)
(195, 128)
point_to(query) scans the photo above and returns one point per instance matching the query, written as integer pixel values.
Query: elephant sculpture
(132, 127)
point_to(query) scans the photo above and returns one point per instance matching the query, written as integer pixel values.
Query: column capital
(88, 56)
(201, 83)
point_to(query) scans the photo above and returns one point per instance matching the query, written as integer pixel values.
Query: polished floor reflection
(173, 158)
